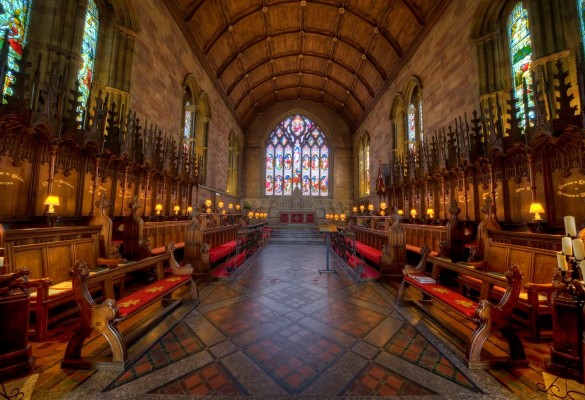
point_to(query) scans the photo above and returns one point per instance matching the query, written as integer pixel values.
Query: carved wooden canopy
(341, 53)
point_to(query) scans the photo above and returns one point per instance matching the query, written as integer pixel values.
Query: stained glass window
(297, 156)
(581, 7)
(14, 22)
(364, 165)
(233, 164)
(88, 53)
(520, 57)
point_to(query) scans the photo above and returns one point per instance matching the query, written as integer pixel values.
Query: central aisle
(283, 330)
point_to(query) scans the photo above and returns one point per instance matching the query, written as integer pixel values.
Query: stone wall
(162, 60)
(446, 66)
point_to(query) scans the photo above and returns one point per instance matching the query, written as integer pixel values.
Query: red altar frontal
(297, 217)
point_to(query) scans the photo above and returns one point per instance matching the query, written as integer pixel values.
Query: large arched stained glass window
(297, 156)
(14, 23)
(88, 53)
(520, 56)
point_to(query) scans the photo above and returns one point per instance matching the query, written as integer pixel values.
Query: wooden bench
(487, 316)
(344, 245)
(104, 318)
(49, 254)
(249, 240)
(209, 241)
(419, 235)
(159, 234)
(538, 267)
(381, 242)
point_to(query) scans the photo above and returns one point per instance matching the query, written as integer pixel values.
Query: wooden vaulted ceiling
(341, 53)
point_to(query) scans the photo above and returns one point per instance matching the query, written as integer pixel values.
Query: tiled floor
(283, 330)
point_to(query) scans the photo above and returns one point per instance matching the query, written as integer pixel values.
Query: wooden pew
(210, 239)
(343, 243)
(49, 254)
(487, 316)
(419, 235)
(380, 241)
(538, 267)
(104, 318)
(249, 239)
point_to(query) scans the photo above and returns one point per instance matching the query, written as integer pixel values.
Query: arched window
(364, 165)
(414, 117)
(398, 127)
(233, 164)
(581, 8)
(520, 45)
(297, 156)
(14, 21)
(88, 54)
(188, 119)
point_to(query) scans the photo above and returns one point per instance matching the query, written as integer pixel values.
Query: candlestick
(567, 245)
(562, 261)
(579, 249)
(570, 227)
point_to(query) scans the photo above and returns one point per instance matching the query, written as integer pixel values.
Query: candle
(582, 268)
(570, 227)
(562, 261)
(579, 249)
(567, 246)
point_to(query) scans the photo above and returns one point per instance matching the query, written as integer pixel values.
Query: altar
(296, 217)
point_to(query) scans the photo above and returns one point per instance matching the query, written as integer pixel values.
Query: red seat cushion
(374, 255)
(415, 249)
(144, 296)
(221, 251)
(155, 251)
(455, 300)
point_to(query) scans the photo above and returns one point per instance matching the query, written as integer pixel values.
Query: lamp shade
(383, 206)
(51, 201)
(230, 206)
(207, 203)
(220, 204)
(430, 212)
(158, 207)
(189, 209)
(536, 208)
(176, 208)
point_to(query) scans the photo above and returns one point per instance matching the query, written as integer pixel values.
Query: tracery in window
(364, 165)
(581, 8)
(414, 118)
(233, 164)
(88, 54)
(297, 156)
(520, 45)
(14, 21)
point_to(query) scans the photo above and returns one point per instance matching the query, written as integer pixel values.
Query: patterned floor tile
(220, 293)
(411, 346)
(238, 318)
(294, 356)
(210, 380)
(369, 295)
(349, 318)
(295, 296)
(178, 343)
(376, 380)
